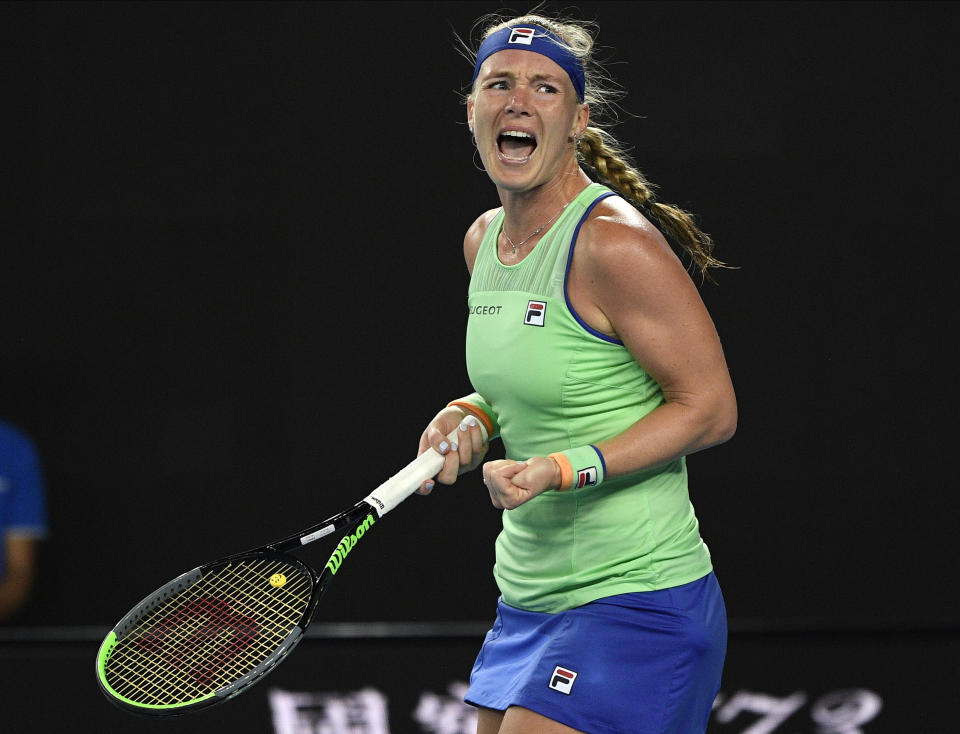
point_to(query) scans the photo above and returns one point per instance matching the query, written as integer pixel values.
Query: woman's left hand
(511, 483)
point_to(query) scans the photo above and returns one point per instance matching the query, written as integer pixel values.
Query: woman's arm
(626, 282)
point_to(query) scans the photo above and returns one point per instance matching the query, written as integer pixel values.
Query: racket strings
(200, 639)
(221, 648)
(209, 635)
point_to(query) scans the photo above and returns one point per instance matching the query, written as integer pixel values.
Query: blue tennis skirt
(642, 663)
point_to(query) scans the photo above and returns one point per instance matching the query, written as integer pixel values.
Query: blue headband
(540, 41)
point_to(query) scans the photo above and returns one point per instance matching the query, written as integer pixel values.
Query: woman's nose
(518, 101)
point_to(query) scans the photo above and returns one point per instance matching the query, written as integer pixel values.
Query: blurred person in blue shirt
(23, 520)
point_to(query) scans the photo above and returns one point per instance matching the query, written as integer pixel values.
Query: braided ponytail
(601, 152)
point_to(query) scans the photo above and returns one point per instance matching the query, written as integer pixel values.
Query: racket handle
(408, 480)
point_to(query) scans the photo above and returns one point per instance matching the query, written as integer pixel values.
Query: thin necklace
(538, 230)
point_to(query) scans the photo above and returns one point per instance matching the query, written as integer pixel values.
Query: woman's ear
(580, 122)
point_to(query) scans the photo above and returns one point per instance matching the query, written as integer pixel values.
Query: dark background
(234, 290)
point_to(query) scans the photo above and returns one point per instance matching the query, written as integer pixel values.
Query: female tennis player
(596, 363)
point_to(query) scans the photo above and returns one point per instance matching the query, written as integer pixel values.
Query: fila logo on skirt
(562, 680)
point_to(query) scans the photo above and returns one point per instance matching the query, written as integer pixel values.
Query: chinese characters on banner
(743, 712)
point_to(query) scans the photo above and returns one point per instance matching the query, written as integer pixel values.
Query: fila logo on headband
(523, 36)
(586, 477)
(562, 680)
(536, 310)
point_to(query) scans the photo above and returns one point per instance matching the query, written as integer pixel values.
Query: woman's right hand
(465, 454)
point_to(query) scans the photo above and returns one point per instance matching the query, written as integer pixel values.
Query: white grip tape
(408, 480)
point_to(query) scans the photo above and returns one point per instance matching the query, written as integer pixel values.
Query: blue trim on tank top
(566, 275)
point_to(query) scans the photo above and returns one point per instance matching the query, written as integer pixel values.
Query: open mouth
(516, 145)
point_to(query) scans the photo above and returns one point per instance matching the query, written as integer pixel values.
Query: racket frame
(377, 504)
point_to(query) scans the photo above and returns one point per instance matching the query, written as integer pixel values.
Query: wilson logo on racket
(586, 477)
(536, 310)
(346, 545)
(562, 680)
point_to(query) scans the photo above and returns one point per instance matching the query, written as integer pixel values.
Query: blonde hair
(603, 155)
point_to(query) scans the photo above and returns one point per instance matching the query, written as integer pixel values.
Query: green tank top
(554, 384)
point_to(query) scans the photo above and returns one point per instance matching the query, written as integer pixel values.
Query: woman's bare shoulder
(474, 236)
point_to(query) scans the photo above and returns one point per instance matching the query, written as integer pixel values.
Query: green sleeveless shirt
(555, 384)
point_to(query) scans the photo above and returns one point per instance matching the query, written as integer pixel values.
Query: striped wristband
(580, 467)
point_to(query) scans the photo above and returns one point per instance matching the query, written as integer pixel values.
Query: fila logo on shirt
(522, 36)
(562, 680)
(586, 477)
(536, 311)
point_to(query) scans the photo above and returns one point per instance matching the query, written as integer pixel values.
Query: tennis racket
(213, 632)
